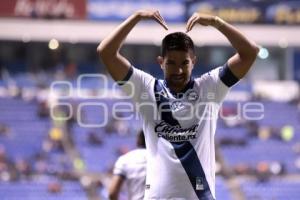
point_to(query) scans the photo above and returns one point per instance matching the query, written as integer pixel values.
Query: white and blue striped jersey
(179, 132)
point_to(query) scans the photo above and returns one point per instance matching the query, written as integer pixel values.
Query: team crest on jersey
(176, 105)
(192, 95)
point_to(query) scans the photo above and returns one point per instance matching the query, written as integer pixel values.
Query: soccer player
(130, 169)
(179, 113)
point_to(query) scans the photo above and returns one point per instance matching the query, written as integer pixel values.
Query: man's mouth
(178, 78)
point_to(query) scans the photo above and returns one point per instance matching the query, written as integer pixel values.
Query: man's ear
(194, 60)
(160, 61)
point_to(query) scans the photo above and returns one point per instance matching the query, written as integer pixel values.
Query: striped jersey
(179, 132)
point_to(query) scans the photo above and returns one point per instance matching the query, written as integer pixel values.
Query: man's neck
(178, 90)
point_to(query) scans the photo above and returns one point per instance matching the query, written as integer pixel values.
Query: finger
(159, 16)
(192, 18)
(160, 22)
(191, 24)
(188, 22)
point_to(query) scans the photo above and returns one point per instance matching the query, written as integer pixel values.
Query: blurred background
(58, 142)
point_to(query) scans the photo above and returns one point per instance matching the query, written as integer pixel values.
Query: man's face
(177, 67)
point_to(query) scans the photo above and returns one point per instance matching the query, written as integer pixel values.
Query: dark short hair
(178, 41)
(141, 139)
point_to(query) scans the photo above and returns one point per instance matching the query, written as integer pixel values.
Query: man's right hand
(152, 14)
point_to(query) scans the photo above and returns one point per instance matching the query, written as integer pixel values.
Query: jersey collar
(180, 94)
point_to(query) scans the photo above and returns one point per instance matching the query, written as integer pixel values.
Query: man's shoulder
(136, 152)
(141, 73)
(132, 160)
(133, 154)
(210, 76)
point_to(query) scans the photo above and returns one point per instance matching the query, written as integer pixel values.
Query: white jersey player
(130, 170)
(179, 113)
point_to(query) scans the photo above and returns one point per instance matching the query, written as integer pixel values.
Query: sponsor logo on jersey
(175, 133)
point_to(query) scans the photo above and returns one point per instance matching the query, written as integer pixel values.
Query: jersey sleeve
(136, 83)
(120, 167)
(219, 81)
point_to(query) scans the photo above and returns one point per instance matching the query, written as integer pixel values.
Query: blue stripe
(227, 77)
(184, 150)
(162, 102)
(193, 168)
(127, 77)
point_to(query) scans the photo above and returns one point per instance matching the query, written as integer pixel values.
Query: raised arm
(247, 50)
(109, 48)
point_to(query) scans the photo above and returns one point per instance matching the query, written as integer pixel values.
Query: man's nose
(178, 70)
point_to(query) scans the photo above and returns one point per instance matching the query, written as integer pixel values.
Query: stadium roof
(145, 33)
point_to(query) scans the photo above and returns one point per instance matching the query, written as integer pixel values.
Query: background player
(130, 169)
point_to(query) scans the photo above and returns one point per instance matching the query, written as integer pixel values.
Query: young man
(180, 125)
(131, 170)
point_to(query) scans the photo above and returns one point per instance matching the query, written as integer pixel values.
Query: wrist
(136, 16)
(218, 22)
